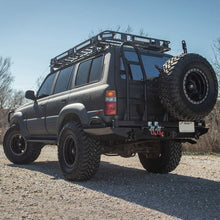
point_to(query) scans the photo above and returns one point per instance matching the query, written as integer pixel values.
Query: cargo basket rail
(102, 41)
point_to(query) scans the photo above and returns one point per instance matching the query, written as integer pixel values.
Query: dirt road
(120, 190)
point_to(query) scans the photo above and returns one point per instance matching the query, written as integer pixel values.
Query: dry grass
(209, 142)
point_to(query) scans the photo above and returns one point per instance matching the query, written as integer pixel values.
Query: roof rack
(103, 40)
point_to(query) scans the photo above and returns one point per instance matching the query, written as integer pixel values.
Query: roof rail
(103, 40)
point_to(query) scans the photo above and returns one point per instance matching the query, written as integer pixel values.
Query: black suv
(115, 94)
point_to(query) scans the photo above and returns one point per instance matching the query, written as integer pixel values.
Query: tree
(39, 81)
(9, 98)
(6, 80)
(128, 30)
(16, 99)
(216, 62)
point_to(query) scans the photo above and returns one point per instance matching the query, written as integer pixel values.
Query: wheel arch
(17, 119)
(72, 112)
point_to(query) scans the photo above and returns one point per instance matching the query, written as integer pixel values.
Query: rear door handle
(63, 101)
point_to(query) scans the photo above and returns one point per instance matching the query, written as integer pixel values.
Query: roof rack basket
(103, 40)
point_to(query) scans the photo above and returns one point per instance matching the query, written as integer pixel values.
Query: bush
(209, 142)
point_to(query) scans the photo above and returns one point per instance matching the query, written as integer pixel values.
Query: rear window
(150, 62)
(149, 66)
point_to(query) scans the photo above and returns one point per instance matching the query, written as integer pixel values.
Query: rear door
(58, 99)
(136, 89)
(139, 88)
(87, 87)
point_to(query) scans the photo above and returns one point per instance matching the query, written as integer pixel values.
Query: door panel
(54, 106)
(36, 117)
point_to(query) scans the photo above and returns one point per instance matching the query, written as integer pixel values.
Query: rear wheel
(166, 161)
(17, 149)
(78, 153)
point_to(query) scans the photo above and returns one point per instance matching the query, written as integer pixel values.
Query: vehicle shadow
(181, 196)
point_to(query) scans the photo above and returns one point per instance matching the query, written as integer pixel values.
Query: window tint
(96, 70)
(63, 80)
(136, 72)
(150, 62)
(149, 66)
(71, 77)
(83, 73)
(46, 88)
(131, 56)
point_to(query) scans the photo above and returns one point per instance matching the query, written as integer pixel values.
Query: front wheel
(78, 153)
(17, 149)
(166, 161)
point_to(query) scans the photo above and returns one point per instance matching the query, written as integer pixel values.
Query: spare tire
(188, 87)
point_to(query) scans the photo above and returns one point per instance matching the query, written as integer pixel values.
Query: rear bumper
(140, 130)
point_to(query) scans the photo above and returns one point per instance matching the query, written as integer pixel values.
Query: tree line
(9, 97)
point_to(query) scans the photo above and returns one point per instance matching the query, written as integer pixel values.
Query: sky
(34, 31)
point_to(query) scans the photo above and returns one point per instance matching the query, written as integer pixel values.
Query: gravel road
(121, 189)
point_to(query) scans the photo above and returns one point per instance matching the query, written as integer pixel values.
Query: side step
(52, 142)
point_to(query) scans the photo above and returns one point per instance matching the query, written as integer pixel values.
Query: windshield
(149, 62)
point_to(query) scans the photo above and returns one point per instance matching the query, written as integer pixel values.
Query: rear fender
(77, 109)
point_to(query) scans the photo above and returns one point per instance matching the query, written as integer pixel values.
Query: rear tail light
(110, 102)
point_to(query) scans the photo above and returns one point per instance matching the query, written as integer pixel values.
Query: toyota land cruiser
(115, 94)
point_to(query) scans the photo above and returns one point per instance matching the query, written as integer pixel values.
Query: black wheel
(166, 161)
(188, 87)
(78, 153)
(17, 150)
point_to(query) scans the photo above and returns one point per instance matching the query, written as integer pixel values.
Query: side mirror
(30, 95)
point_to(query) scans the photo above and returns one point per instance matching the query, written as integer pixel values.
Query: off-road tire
(167, 161)
(188, 87)
(78, 153)
(17, 150)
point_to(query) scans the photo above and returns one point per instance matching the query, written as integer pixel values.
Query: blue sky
(34, 31)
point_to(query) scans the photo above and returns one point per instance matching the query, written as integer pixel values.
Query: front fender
(17, 118)
(77, 109)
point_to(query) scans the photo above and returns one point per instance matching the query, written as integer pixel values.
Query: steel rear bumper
(149, 130)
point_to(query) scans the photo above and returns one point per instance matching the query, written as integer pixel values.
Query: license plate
(186, 127)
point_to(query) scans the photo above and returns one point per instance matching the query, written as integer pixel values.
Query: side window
(96, 69)
(63, 80)
(89, 71)
(83, 73)
(46, 87)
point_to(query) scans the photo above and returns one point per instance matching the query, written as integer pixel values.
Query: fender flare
(77, 109)
(17, 118)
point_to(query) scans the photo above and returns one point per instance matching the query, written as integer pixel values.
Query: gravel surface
(121, 189)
